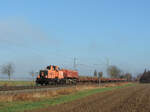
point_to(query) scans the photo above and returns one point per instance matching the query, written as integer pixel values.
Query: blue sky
(35, 33)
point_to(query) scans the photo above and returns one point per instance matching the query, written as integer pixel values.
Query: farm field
(17, 83)
(129, 99)
(37, 100)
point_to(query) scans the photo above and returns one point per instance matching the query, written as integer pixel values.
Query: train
(53, 75)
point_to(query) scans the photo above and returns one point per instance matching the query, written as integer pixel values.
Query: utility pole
(107, 62)
(100, 75)
(75, 63)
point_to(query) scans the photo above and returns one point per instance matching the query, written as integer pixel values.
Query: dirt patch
(129, 99)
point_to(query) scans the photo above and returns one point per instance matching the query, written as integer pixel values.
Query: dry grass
(35, 96)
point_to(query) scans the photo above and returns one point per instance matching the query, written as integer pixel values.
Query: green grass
(16, 83)
(21, 106)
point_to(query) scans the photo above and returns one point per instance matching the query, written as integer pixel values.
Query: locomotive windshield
(43, 72)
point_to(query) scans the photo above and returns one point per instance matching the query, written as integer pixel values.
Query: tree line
(114, 72)
(145, 77)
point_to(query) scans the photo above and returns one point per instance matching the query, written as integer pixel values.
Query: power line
(107, 62)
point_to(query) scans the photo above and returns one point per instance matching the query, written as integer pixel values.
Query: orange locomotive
(55, 75)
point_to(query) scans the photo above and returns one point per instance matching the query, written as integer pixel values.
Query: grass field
(16, 83)
(20, 106)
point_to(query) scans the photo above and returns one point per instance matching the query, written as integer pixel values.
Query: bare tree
(8, 69)
(32, 73)
(113, 71)
(128, 76)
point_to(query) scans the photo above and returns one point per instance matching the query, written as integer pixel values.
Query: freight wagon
(102, 80)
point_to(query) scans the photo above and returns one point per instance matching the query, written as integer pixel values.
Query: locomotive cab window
(43, 72)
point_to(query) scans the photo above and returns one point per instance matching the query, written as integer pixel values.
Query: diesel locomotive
(54, 75)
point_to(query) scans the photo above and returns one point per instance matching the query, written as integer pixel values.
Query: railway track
(23, 89)
(14, 88)
(26, 89)
(31, 90)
